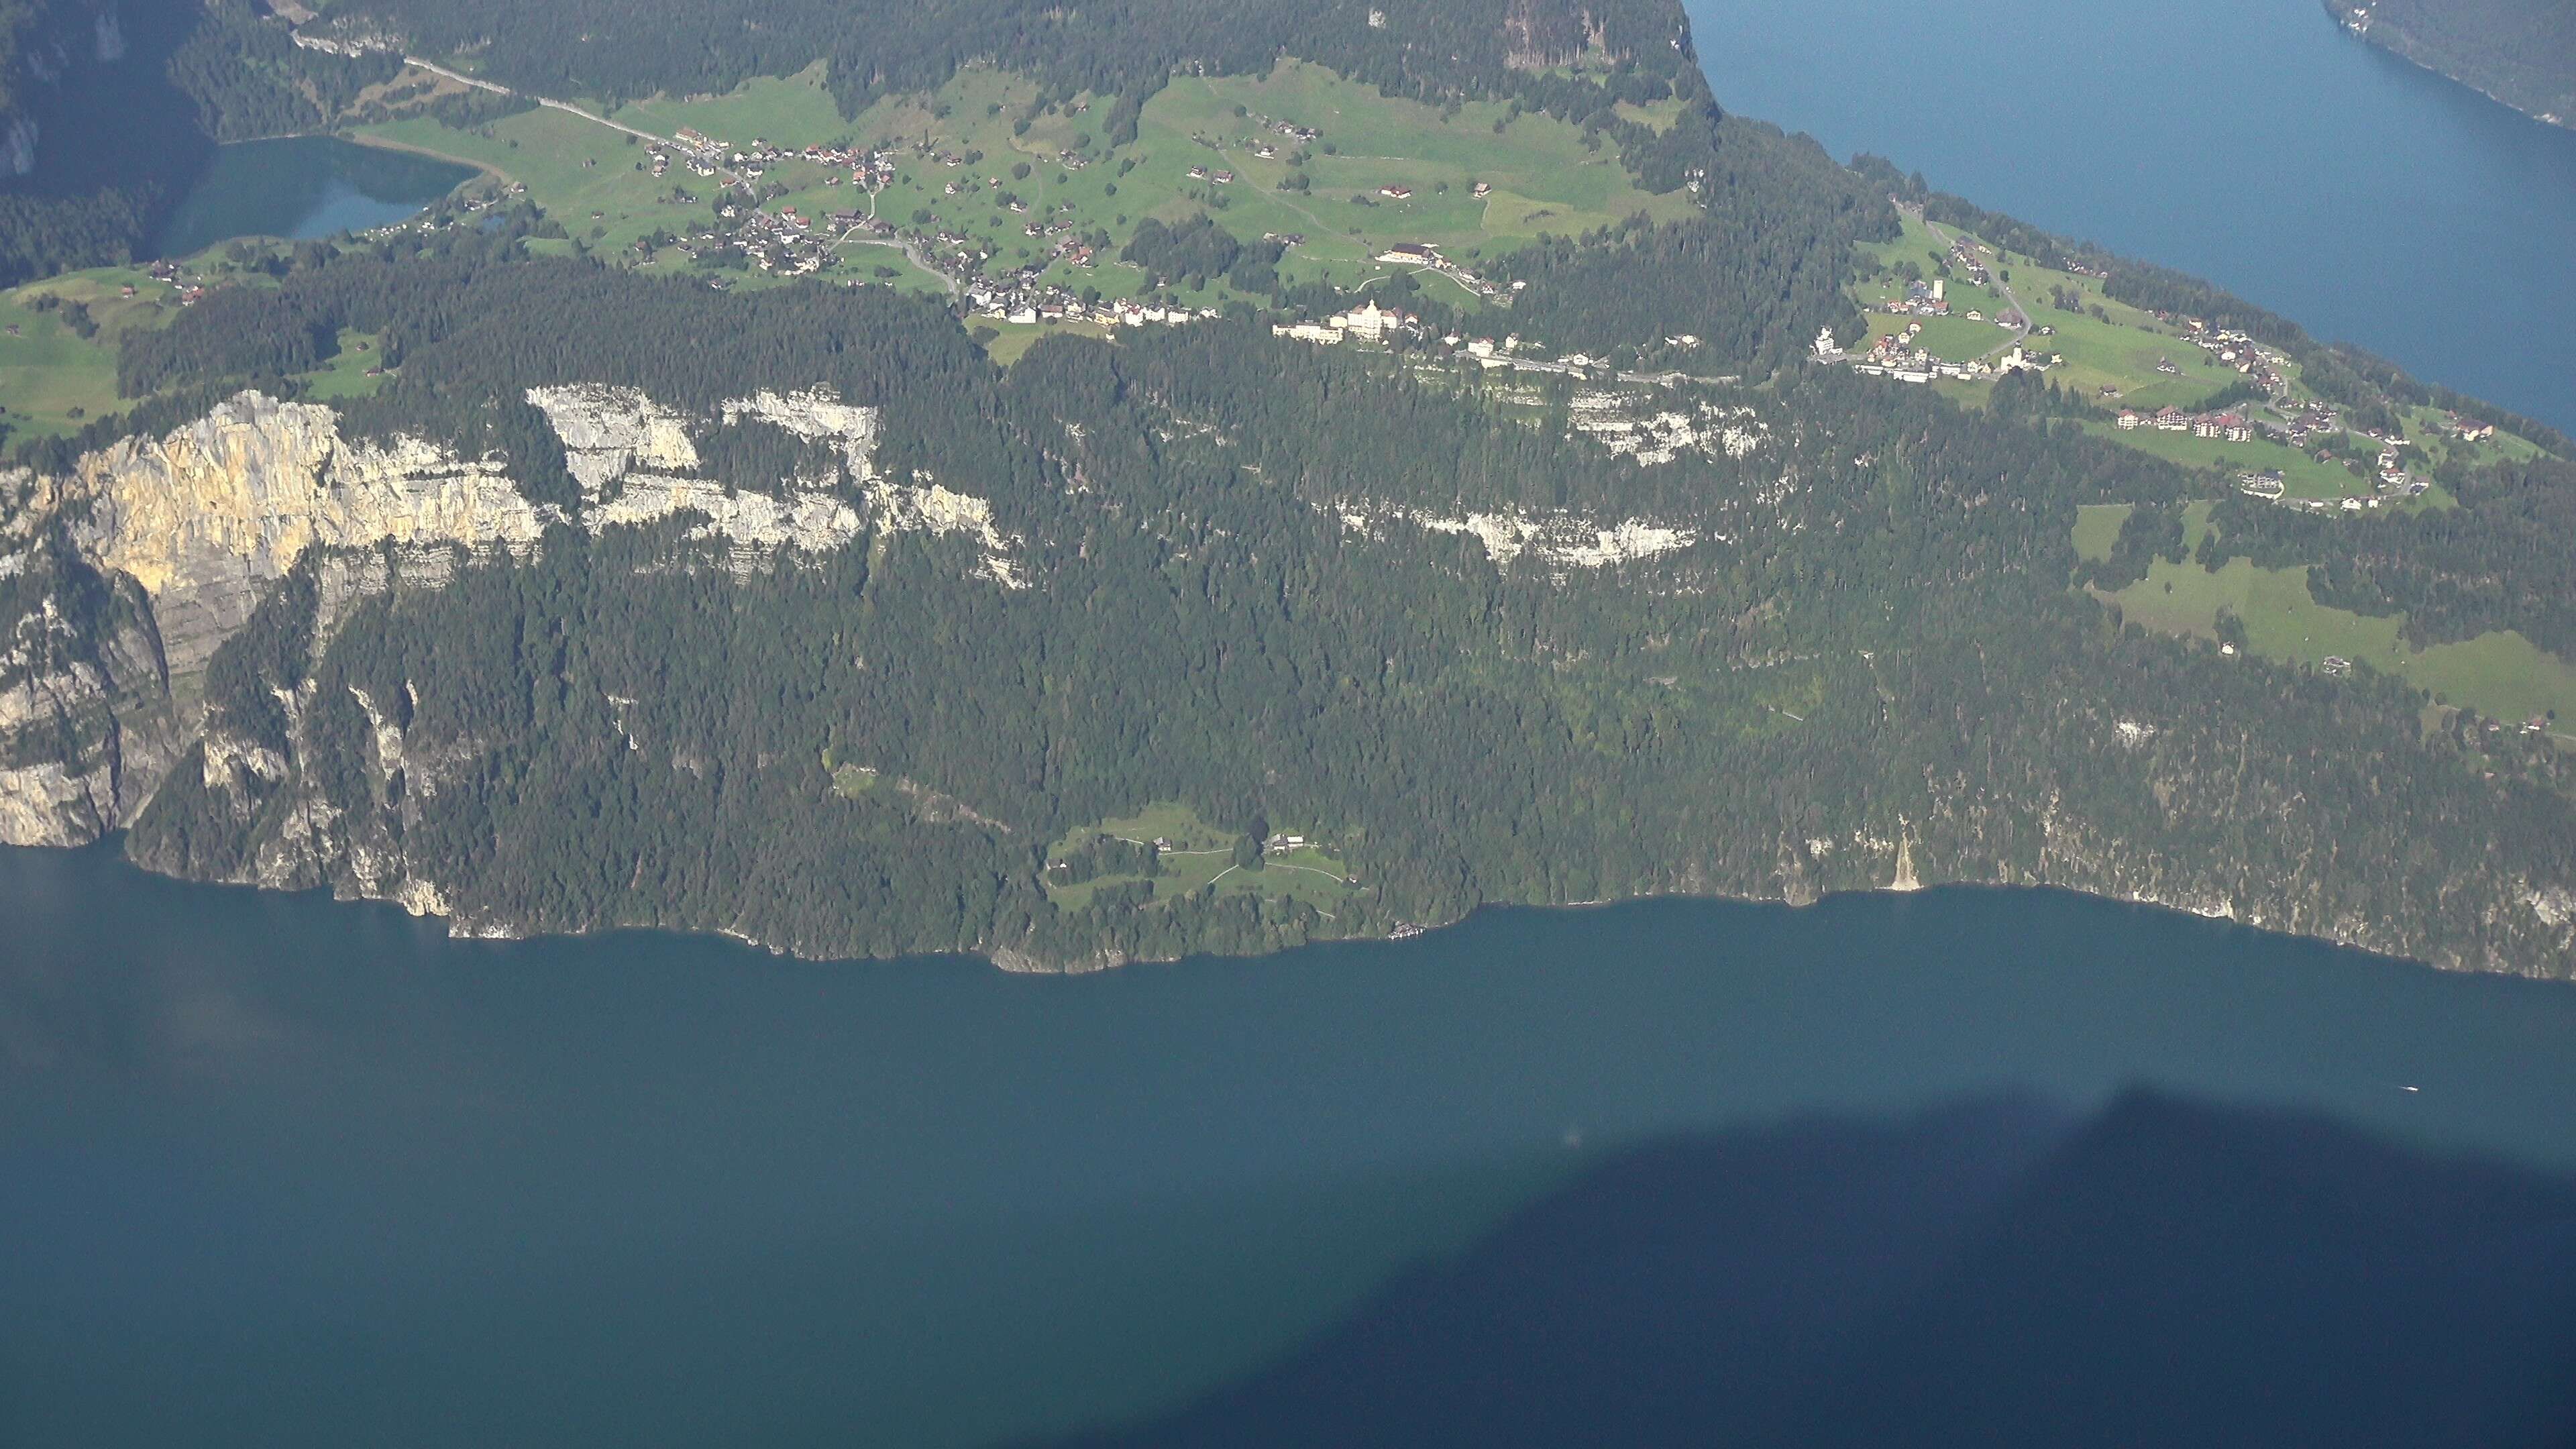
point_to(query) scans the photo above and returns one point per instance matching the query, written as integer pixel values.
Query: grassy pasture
(48, 372)
(2502, 675)
(2303, 475)
(1541, 179)
(2097, 528)
(1202, 855)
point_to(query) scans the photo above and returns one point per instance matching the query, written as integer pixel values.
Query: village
(2179, 386)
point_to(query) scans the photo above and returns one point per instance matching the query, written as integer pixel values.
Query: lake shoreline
(2406, 48)
(307, 186)
(1012, 961)
(386, 143)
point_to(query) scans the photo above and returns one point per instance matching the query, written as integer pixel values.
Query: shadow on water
(2162, 1274)
(285, 1171)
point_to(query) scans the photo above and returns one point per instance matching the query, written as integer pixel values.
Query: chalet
(2129, 420)
(1396, 193)
(1483, 190)
(1409, 254)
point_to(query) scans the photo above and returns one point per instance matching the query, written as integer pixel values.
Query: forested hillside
(2522, 52)
(1421, 48)
(551, 587)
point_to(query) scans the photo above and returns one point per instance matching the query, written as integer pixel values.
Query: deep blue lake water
(2251, 142)
(303, 187)
(655, 1189)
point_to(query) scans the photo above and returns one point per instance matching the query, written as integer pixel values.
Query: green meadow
(1541, 180)
(1200, 857)
(2502, 675)
(52, 379)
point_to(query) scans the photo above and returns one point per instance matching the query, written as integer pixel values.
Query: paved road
(2021, 331)
(567, 107)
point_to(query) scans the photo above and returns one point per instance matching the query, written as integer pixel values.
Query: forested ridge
(1440, 620)
(1427, 49)
(1872, 643)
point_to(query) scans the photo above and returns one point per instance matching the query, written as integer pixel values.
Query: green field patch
(1312, 875)
(1187, 856)
(1659, 117)
(52, 379)
(852, 781)
(578, 172)
(1012, 340)
(2303, 475)
(2097, 527)
(2501, 675)
(1952, 339)
(768, 108)
(346, 374)
(2119, 350)
(1050, 156)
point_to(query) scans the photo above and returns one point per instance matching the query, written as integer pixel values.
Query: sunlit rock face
(187, 528)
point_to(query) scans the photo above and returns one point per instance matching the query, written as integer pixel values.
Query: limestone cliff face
(201, 518)
(87, 728)
(183, 532)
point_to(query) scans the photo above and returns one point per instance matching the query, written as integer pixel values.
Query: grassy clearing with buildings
(58, 345)
(1378, 172)
(1190, 856)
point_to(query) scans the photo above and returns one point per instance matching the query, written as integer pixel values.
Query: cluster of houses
(1901, 356)
(707, 156)
(1971, 259)
(2229, 426)
(1029, 306)
(2251, 359)
(1921, 299)
(1371, 323)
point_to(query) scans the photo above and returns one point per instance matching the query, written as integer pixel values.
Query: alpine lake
(285, 1171)
(279, 1170)
(303, 187)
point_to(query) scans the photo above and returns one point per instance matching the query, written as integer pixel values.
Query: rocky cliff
(120, 579)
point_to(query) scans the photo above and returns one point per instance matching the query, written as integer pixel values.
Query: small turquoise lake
(303, 187)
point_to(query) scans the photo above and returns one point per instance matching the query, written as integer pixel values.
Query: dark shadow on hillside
(2164, 1274)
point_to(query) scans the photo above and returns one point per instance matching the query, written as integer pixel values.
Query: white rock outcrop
(202, 517)
(1562, 539)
